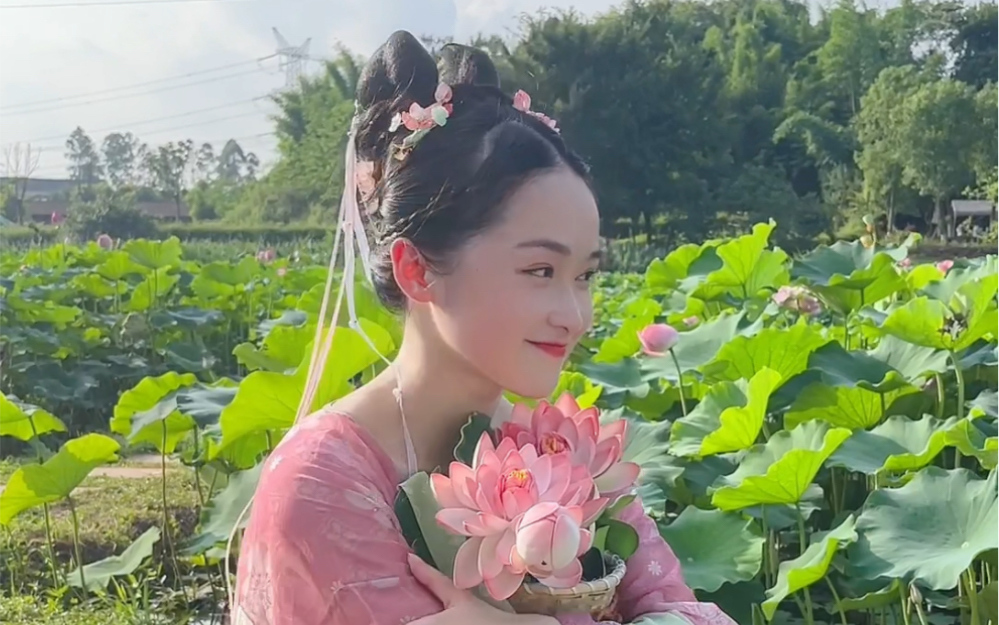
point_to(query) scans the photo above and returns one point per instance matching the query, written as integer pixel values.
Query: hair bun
(400, 67)
(464, 65)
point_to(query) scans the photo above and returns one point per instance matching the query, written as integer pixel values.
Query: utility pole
(292, 58)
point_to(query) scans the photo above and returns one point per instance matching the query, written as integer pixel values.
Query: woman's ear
(411, 272)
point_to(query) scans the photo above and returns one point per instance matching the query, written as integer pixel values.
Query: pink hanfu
(323, 546)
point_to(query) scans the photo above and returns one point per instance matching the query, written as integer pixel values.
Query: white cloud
(56, 53)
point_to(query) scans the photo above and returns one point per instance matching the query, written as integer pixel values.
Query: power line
(130, 95)
(139, 84)
(100, 3)
(159, 119)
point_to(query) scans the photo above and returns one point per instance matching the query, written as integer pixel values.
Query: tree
(941, 140)
(19, 162)
(975, 44)
(120, 152)
(167, 166)
(85, 163)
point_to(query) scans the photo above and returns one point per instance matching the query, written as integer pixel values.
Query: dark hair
(453, 183)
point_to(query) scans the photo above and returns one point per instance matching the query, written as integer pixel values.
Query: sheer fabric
(323, 546)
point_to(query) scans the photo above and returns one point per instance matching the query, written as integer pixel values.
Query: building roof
(972, 207)
(159, 210)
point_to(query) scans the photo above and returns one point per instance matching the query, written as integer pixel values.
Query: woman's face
(517, 298)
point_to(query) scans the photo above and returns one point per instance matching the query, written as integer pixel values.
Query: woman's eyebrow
(554, 246)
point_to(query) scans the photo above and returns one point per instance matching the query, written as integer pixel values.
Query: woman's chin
(535, 384)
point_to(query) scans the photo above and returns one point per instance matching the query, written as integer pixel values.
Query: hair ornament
(420, 120)
(522, 102)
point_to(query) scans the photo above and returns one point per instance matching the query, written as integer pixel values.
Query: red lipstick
(556, 350)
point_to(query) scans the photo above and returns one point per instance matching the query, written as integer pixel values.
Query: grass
(112, 512)
(27, 611)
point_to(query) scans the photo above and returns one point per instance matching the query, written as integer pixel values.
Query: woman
(487, 235)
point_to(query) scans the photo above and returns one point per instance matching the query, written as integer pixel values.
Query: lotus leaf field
(829, 463)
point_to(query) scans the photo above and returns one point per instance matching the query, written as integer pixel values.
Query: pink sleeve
(323, 546)
(653, 583)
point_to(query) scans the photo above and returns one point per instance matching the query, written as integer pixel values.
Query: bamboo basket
(595, 598)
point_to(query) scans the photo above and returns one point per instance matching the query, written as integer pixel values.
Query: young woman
(486, 240)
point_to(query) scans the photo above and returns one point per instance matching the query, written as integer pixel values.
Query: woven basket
(594, 598)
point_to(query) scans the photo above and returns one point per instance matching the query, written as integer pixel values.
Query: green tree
(120, 151)
(85, 162)
(167, 167)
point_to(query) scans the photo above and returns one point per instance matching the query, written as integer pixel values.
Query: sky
(168, 70)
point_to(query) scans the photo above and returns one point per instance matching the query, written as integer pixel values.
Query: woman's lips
(557, 350)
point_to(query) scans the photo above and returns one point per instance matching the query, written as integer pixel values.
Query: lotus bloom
(905, 263)
(565, 428)
(945, 265)
(105, 242)
(691, 321)
(524, 513)
(282, 272)
(266, 256)
(797, 298)
(658, 338)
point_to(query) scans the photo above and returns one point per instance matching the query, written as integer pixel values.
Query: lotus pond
(820, 447)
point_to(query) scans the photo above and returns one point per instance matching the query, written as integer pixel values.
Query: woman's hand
(461, 607)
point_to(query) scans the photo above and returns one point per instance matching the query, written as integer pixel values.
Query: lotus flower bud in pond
(691, 321)
(266, 256)
(658, 338)
(945, 265)
(105, 242)
(797, 298)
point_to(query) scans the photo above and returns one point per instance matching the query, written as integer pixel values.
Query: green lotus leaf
(843, 406)
(98, 574)
(25, 421)
(871, 370)
(748, 267)
(36, 484)
(928, 531)
(986, 404)
(585, 392)
(810, 567)
(664, 275)
(118, 265)
(269, 401)
(881, 598)
(967, 316)
(221, 513)
(151, 290)
(162, 426)
(914, 362)
(154, 254)
(970, 439)
(729, 418)
(231, 274)
(785, 351)
(899, 444)
(144, 396)
(782, 470)
(957, 278)
(618, 379)
(647, 445)
(714, 547)
(94, 285)
(698, 347)
(849, 275)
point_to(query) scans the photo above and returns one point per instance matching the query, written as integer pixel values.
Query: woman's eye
(588, 276)
(541, 272)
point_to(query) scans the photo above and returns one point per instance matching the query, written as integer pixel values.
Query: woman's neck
(439, 392)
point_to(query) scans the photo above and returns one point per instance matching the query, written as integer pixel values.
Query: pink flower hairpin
(522, 102)
(421, 120)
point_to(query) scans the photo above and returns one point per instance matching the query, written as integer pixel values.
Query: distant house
(44, 202)
(55, 210)
(972, 208)
(43, 188)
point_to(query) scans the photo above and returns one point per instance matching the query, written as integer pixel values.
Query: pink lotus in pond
(797, 298)
(945, 265)
(266, 256)
(566, 428)
(105, 242)
(658, 338)
(524, 513)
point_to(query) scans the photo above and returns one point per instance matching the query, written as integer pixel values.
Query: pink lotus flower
(565, 428)
(658, 338)
(905, 263)
(524, 513)
(797, 298)
(691, 321)
(282, 272)
(420, 118)
(105, 242)
(266, 256)
(945, 265)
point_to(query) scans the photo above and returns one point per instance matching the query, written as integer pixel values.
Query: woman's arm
(653, 583)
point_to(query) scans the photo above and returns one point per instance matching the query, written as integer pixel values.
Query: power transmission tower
(292, 58)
